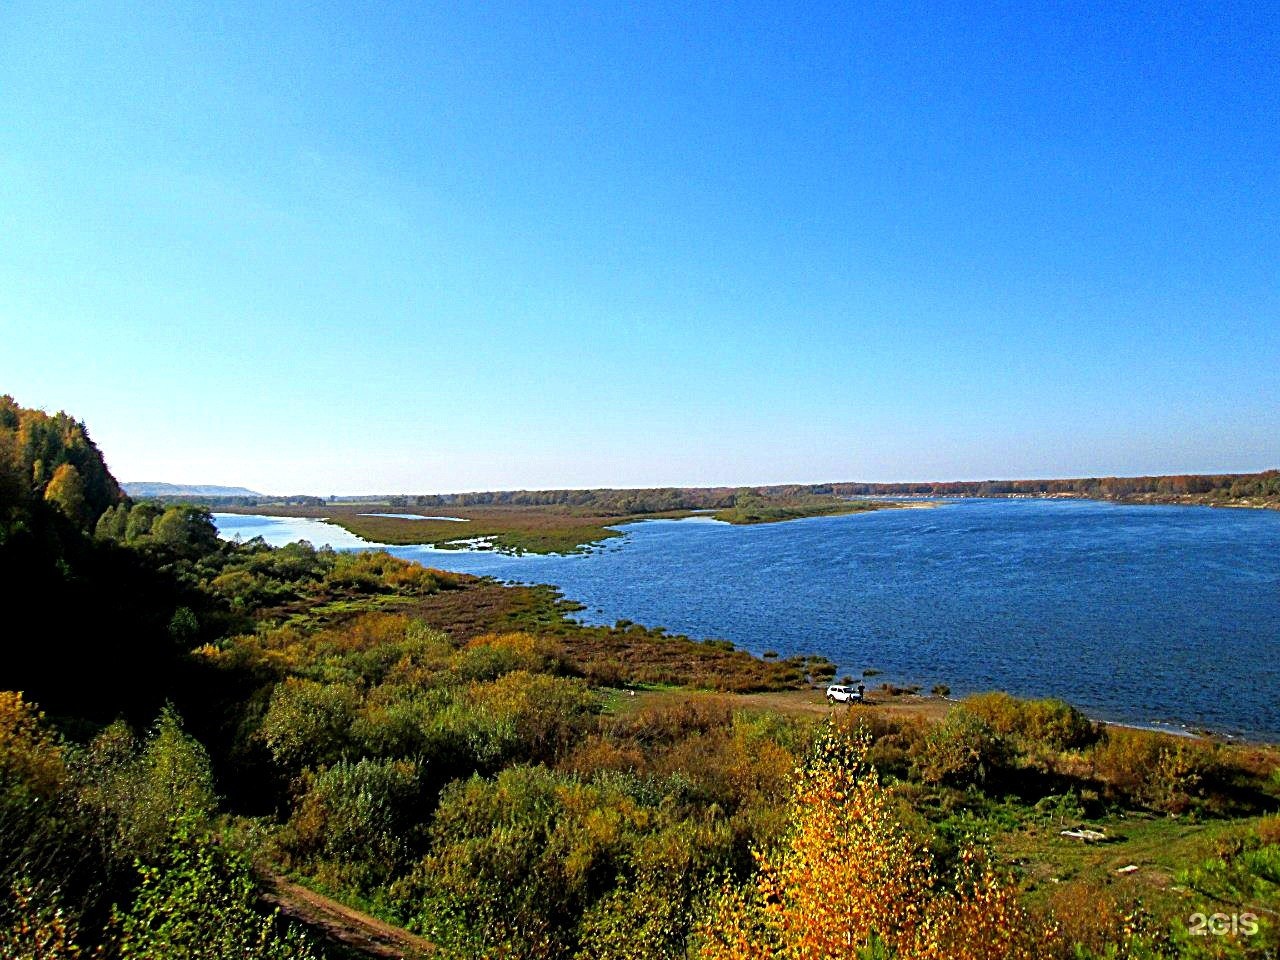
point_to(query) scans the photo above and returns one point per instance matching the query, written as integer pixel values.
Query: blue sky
(412, 247)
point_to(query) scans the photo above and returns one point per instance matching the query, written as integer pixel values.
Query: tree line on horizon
(613, 501)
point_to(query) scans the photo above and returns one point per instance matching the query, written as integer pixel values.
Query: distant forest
(1252, 489)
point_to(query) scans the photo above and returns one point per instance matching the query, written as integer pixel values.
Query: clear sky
(421, 247)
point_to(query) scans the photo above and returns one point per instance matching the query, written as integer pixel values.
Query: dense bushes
(491, 655)
(356, 822)
(960, 751)
(388, 687)
(1164, 773)
(106, 845)
(1050, 723)
(475, 785)
(999, 742)
(523, 864)
(136, 793)
(202, 904)
(309, 723)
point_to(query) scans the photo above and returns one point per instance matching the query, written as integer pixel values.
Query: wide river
(1144, 614)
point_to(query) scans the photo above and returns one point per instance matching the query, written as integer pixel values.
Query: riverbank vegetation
(562, 521)
(553, 527)
(460, 759)
(512, 529)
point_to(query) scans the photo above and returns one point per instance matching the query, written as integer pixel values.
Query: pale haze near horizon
(461, 249)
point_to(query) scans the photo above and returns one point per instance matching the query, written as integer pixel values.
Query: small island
(758, 509)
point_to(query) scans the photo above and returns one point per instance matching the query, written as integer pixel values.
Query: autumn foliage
(851, 879)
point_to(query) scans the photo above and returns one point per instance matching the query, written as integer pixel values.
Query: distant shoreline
(568, 528)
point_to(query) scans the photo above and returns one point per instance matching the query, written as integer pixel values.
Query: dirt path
(796, 702)
(339, 924)
(815, 702)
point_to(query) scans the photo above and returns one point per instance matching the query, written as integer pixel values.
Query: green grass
(324, 613)
(1161, 847)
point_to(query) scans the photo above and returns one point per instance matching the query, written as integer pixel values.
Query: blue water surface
(1144, 614)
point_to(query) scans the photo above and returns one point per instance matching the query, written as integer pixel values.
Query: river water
(1143, 614)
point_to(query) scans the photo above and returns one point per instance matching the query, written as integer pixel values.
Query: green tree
(113, 524)
(141, 518)
(186, 530)
(184, 626)
(202, 906)
(137, 794)
(308, 723)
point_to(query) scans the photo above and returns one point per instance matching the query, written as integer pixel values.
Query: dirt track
(815, 702)
(339, 924)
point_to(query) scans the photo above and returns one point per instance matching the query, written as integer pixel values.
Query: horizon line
(712, 486)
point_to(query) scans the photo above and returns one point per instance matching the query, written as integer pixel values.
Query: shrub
(530, 717)
(201, 905)
(29, 753)
(733, 766)
(1056, 724)
(894, 741)
(514, 862)
(651, 913)
(1123, 758)
(649, 917)
(391, 727)
(307, 722)
(960, 751)
(1049, 722)
(597, 754)
(490, 656)
(372, 571)
(1163, 772)
(243, 589)
(1181, 778)
(671, 719)
(1268, 830)
(137, 794)
(35, 925)
(359, 813)
(1096, 921)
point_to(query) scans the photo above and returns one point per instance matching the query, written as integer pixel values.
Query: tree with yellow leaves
(29, 753)
(66, 492)
(852, 881)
